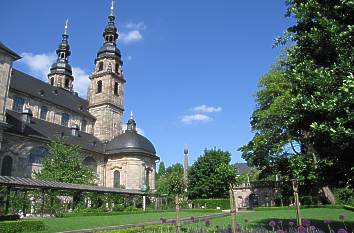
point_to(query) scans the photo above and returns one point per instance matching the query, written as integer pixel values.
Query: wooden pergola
(11, 183)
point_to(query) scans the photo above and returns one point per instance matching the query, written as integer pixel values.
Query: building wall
(5, 69)
(54, 111)
(132, 170)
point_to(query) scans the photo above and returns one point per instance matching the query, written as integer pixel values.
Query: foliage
(64, 164)
(163, 181)
(212, 203)
(176, 184)
(22, 226)
(206, 177)
(161, 171)
(251, 176)
(304, 116)
(344, 196)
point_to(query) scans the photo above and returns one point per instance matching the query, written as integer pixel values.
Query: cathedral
(33, 112)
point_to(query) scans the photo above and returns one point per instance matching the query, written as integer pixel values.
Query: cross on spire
(66, 27)
(112, 7)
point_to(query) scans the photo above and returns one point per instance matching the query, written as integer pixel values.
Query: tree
(304, 116)
(64, 164)
(163, 181)
(204, 178)
(162, 170)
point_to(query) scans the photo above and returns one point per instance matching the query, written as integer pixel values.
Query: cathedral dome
(131, 142)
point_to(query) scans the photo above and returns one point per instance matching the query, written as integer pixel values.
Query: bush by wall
(21, 226)
(348, 207)
(212, 203)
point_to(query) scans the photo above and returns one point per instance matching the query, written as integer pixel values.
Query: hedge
(348, 207)
(301, 206)
(212, 203)
(157, 228)
(21, 226)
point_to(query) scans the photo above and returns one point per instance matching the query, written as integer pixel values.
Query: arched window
(116, 68)
(52, 81)
(44, 112)
(147, 177)
(18, 103)
(116, 179)
(65, 119)
(67, 82)
(91, 163)
(37, 154)
(100, 66)
(6, 167)
(99, 86)
(116, 88)
(83, 125)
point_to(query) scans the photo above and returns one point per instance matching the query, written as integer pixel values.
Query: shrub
(9, 217)
(344, 196)
(21, 226)
(212, 203)
(348, 207)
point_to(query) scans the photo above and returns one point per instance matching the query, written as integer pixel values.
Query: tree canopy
(304, 119)
(64, 164)
(206, 178)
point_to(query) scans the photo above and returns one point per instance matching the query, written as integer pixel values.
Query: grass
(315, 215)
(82, 222)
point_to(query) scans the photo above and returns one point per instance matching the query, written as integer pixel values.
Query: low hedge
(152, 228)
(9, 217)
(301, 207)
(21, 226)
(212, 203)
(348, 207)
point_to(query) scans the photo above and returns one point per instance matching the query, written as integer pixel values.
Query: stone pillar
(185, 167)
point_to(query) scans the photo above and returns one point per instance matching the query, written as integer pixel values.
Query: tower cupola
(60, 74)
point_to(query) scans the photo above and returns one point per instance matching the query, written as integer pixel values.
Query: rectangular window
(18, 104)
(44, 111)
(83, 125)
(65, 119)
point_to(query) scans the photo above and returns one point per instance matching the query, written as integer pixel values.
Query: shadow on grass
(319, 224)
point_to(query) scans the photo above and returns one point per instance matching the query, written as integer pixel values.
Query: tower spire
(66, 27)
(60, 74)
(112, 7)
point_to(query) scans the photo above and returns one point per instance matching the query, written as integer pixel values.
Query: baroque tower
(60, 74)
(106, 90)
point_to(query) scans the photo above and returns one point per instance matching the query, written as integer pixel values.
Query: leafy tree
(163, 181)
(204, 178)
(304, 117)
(162, 170)
(64, 164)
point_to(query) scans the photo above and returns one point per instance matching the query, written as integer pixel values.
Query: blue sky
(191, 66)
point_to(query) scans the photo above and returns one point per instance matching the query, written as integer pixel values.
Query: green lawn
(75, 223)
(315, 215)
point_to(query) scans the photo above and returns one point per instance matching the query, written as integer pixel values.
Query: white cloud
(39, 65)
(207, 109)
(136, 26)
(140, 130)
(131, 36)
(81, 81)
(189, 119)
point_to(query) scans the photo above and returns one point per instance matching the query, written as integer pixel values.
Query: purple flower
(327, 221)
(280, 231)
(306, 223)
(192, 218)
(238, 228)
(291, 223)
(342, 217)
(163, 220)
(272, 224)
(342, 231)
(312, 227)
(207, 223)
(301, 229)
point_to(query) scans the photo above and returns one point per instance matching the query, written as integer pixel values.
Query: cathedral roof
(131, 142)
(48, 131)
(9, 51)
(29, 85)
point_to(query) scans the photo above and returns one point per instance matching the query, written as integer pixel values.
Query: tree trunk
(178, 218)
(232, 210)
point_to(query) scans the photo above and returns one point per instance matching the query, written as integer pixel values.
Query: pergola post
(51, 203)
(42, 202)
(7, 204)
(144, 203)
(24, 199)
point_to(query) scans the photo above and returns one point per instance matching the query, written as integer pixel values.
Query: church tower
(106, 90)
(60, 74)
